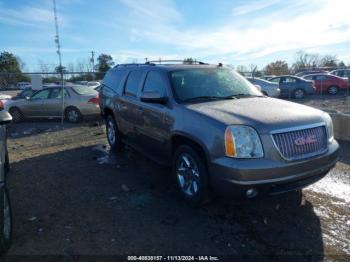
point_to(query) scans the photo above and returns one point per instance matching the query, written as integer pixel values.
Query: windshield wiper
(206, 98)
(242, 95)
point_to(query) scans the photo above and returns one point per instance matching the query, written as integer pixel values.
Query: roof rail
(129, 64)
(175, 61)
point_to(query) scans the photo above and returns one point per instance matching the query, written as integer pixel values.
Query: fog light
(251, 192)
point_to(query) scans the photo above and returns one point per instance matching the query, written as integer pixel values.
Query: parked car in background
(93, 84)
(267, 77)
(293, 86)
(5, 204)
(79, 101)
(216, 130)
(23, 85)
(5, 96)
(267, 88)
(341, 73)
(24, 93)
(309, 72)
(326, 83)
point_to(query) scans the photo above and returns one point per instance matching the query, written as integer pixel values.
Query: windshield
(84, 90)
(217, 83)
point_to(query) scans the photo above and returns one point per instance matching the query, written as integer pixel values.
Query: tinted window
(133, 82)
(56, 93)
(346, 73)
(320, 78)
(288, 80)
(44, 94)
(308, 77)
(154, 82)
(275, 80)
(113, 78)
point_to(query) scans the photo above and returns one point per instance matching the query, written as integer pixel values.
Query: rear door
(130, 111)
(53, 105)
(154, 131)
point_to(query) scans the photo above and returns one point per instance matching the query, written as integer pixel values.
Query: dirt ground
(339, 103)
(72, 196)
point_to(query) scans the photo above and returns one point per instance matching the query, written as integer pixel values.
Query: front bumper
(233, 177)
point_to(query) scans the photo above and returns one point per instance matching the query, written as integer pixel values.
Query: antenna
(57, 41)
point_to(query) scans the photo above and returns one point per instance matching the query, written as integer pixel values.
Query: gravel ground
(72, 196)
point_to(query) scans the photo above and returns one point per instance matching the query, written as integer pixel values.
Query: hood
(263, 113)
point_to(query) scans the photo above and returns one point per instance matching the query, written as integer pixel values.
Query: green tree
(10, 70)
(105, 62)
(277, 68)
(9, 63)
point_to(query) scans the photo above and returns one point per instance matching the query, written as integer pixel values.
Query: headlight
(329, 125)
(242, 142)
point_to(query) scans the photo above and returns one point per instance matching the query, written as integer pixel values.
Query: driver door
(34, 106)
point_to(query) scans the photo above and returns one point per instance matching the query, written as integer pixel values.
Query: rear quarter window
(133, 83)
(84, 90)
(114, 78)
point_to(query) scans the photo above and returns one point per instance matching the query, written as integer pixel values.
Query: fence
(14, 81)
(10, 81)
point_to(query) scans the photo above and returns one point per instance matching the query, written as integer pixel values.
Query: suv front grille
(299, 144)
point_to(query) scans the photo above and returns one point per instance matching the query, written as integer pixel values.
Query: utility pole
(57, 41)
(93, 64)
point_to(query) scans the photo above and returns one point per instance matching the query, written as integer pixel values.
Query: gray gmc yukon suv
(216, 130)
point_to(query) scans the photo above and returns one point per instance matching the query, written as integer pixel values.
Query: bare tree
(304, 61)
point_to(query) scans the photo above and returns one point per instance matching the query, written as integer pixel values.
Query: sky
(233, 32)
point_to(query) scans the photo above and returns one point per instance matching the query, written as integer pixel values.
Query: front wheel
(191, 174)
(6, 225)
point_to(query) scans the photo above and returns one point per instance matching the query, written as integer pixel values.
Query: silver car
(79, 101)
(267, 88)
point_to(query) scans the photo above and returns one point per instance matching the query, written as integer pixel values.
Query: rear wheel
(6, 225)
(299, 93)
(17, 115)
(113, 137)
(73, 115)
(333, 90)
(191, 174)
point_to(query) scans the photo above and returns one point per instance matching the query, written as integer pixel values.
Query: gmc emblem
(305, 140)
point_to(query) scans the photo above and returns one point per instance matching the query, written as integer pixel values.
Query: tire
(333, 90)
(73, 115)
(264, 93)
(299, 93)
(193, 180)
(17, 115)
(6, 226)
(113, 134)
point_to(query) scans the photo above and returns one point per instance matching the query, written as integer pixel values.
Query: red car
(328, 83)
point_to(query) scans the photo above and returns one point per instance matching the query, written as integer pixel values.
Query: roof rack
(175, 61)
(130, 64)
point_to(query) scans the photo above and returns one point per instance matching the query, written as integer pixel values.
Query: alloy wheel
(188, 174)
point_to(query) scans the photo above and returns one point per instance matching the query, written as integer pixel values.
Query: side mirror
(153, 97)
